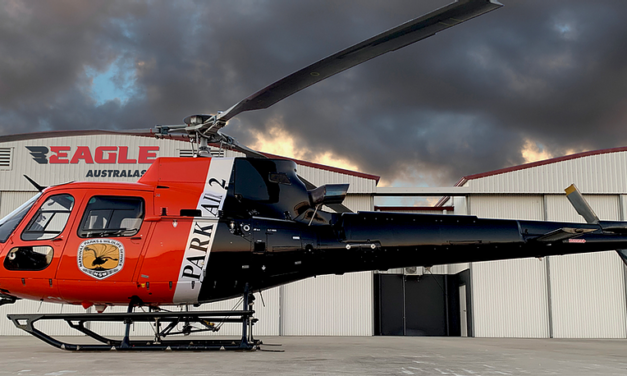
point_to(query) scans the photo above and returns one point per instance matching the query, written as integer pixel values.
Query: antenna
(39, 187)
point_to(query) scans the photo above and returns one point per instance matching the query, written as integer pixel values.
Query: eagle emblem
(100, 258)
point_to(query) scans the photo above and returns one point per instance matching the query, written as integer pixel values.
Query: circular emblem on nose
(100, 258)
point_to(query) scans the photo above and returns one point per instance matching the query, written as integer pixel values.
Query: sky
(532, 80)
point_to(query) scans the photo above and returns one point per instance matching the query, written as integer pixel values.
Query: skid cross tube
(77, 320)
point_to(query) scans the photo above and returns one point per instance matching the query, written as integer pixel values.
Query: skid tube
(77, 321)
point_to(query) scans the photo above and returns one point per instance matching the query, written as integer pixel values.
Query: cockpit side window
(112, 216)
(50, 219)
(10, 222)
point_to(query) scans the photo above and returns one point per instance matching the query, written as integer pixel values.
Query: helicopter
(204, 229)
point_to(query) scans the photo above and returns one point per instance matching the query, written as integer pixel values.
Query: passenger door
(106, 246)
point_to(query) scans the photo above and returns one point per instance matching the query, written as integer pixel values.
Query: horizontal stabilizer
(616, 229)
(563, 234)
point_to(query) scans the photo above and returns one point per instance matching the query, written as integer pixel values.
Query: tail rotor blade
(581, 205)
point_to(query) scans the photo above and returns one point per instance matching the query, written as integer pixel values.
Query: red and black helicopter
(198, 230)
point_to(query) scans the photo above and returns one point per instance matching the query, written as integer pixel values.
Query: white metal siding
(457, 268)
(587, 290)
(10, 201)
(328, 305)
(268, 316)
(319, 177)
(392, 271)
(510, 296)
(30, 306)
(507, 207)
(359, 202)
(266, 307)
(510, 299)
(460, 205)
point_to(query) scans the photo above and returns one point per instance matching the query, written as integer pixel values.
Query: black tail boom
(392, 240)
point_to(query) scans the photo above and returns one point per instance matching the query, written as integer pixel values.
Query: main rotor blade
(391, 40)
(250, 153)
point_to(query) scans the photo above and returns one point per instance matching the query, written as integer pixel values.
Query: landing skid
(159, 319)
(77, 321)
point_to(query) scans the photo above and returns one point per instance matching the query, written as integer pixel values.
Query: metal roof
(463, 180)
(527, 166)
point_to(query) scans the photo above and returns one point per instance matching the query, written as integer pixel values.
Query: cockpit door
(34, 250)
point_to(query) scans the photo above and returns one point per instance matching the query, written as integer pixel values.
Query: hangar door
(425, 305)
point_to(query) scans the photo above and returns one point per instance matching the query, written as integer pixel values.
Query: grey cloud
(458, 103)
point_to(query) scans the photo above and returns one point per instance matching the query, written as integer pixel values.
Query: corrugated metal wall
(510, 296)
(10, 201)
(587, 291)
(575, 296)
(457, 268)
(318, 176)
(29, 306)
(329, 305)
(268, 315)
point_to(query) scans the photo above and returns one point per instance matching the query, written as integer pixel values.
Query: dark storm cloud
(461, 102)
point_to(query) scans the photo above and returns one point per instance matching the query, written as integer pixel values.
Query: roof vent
(6, 158)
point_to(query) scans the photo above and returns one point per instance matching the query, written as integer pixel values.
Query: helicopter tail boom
(392, 240)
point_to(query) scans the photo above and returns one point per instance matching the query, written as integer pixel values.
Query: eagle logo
(39, 153)
(100, 258)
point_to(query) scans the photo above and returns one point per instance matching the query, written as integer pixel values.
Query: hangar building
(579, 296)
(574, 296)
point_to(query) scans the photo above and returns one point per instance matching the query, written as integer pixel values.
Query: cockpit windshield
(10, 222)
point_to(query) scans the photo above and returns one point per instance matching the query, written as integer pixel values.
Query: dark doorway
(422, 305)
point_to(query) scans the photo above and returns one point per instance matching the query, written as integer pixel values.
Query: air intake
(187, 153)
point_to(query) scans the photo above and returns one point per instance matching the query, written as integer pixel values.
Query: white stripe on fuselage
(202, 232)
